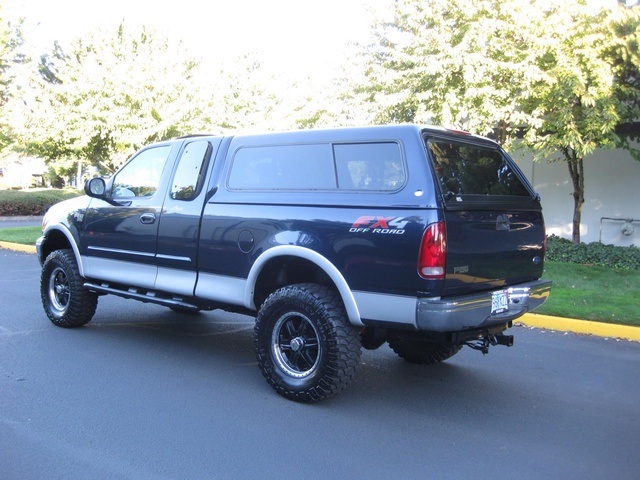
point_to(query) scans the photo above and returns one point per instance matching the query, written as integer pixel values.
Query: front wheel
(65, 300)
(306, 347)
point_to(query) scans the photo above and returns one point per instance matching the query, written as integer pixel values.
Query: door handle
(148, 218)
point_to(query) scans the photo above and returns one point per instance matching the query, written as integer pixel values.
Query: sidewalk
(606, 330)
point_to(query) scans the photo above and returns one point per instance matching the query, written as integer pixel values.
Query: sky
(293, 33)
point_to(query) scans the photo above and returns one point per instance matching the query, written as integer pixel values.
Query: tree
(562, 78)
(11, 41)
(107, 96)
(585, 95)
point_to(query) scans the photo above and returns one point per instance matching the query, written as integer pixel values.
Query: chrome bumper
(474, 311)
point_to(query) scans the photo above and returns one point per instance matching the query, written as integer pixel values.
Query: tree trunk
(576, 171)
(79, 184)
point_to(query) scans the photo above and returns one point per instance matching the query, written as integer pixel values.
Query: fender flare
(314, 257)
(59, 227)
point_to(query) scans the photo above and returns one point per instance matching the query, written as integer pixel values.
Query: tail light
(433, 251)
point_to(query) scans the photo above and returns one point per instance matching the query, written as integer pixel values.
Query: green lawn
(592, 293)
(579, 291)
(23, 235)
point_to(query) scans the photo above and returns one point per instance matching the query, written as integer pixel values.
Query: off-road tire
(65, 300)
(421, 352)
(306, 347)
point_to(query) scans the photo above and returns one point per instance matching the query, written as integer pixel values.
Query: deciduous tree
(107, 95)
(562, 75)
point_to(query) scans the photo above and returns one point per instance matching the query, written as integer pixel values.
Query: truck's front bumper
(475, 311)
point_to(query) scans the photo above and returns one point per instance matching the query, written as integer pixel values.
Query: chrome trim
(118, 250)
(174, 257)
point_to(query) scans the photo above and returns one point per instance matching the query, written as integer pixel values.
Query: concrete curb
(606, 330)
(18, 247)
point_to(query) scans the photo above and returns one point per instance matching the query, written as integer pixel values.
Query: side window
(140, 177)
(189, 175)
(290, 167)
(369, 166)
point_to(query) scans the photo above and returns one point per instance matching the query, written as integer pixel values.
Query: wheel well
(56, 240)
(287, 270)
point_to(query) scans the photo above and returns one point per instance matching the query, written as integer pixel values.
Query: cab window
(140, 177)
(189, 175)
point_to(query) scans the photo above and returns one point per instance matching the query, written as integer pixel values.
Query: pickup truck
(337, 239)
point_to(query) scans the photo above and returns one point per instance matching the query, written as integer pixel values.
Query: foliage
(563, 250)
(31, 202)
(564, 76)
(108, 95)
(11, 41)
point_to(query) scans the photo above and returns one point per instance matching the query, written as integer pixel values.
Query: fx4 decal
(380, 225)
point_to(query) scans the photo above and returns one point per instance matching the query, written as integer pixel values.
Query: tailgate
(492, 249)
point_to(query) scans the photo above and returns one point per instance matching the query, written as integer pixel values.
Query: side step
(147, 296)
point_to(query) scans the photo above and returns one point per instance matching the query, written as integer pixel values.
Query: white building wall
(612, 190)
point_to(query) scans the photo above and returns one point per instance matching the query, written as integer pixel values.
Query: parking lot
(144, 393)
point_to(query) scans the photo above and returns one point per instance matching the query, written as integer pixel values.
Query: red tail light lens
(433, 250)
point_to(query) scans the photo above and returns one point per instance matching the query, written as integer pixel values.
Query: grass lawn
(592, 293)
(23, 235)
(579, 291)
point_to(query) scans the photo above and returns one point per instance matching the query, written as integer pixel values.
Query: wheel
(306, 347)
(422, 352)
(66, 302)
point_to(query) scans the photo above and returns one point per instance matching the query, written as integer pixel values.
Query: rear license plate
(499, 302)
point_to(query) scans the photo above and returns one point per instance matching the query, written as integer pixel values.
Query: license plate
(499, 302)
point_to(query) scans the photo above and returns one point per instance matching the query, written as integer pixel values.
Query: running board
(146, 296)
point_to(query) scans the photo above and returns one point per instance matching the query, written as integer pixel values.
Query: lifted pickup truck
(422, 237)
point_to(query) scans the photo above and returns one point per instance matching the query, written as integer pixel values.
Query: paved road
(143, 393)
(10, 222)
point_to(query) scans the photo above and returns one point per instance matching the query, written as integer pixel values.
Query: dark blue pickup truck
(425, 238)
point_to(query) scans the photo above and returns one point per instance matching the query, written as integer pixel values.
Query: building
(611, 212)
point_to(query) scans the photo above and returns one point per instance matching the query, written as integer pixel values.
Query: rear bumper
(474, 311)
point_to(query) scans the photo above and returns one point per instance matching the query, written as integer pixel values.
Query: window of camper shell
(356, 167)
(471, 170)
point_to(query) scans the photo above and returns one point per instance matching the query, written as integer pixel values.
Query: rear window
(465, 169)
(375, 166)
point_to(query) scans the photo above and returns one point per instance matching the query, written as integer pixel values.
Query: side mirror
(96, 188)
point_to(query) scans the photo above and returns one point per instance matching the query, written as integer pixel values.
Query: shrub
(32, 202)
(596, 253)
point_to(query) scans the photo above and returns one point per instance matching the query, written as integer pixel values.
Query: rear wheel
(421, 352)
(65, 300)
(306, 347)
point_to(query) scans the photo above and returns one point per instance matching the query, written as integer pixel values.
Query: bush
(32, 202)
(596, 253)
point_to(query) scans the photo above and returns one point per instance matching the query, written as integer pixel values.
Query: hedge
(32, 202)
(596, 253)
